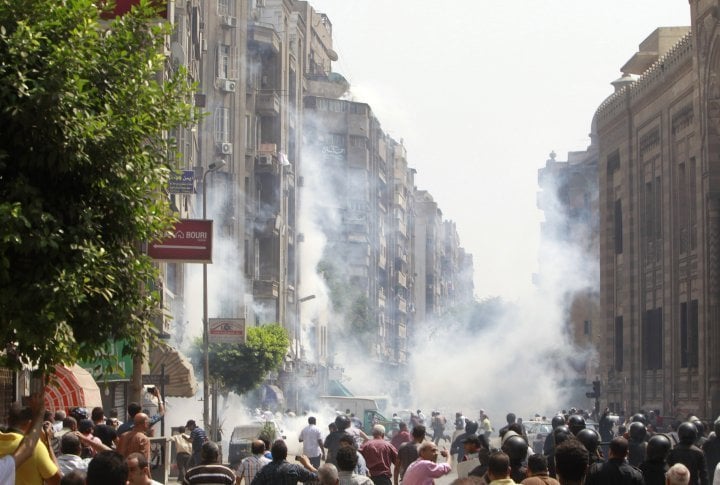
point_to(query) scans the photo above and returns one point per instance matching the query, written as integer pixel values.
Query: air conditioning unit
(264, 160)
(228, 86)
(226, 148)
(228, 21)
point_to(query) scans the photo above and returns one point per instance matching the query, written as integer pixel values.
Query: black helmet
(658, 447)
(79, 413)
(700, 427)
(342, 422)
(639, 417)
(687, 433)
(576, 423)
(516, 448)
(558, 420)
(716, 427)
(637, 431)
(471, 427)
(561, 433)
(589, 438)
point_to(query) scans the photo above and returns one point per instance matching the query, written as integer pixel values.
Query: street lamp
(213, 167)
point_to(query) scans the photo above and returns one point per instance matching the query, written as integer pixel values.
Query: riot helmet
(471, 427)
(576, 423)
(637, 431)
(687, 433)
(561, 433)
(589, 438)
(700, 427)
(639, 417)
(516, 448)
(658, 447)
(342, 422)
(558, 420)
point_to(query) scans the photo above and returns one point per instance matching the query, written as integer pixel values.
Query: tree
(241, 368)
(83, 165)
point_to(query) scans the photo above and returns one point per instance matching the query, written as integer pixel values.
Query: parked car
(536, 432)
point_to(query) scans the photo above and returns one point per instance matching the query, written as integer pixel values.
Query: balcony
(267, 103)
(266, 289)
(264, 35)
(267, 163)
(401, 227)
(399, 200)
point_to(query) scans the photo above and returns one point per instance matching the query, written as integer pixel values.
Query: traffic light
(596, 388)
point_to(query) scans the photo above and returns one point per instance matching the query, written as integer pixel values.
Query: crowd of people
(38, 447)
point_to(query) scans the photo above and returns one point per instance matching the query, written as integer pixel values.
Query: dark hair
(472, 440)
(279, 450)
(19, 414)
(74, 477)
(619, 447)
(133, 409)
(517, 427)
(312, 420)
(498, 464)
(107, 468)
(97, 414)
(402, 425)
(141, 459)
(537, 463)
(70, 422)
(346, 459)
(209, 452)
(70, 444)
(85, 426)
(510, 418)
(347, 438)
(571, 460)
(419, 431)
(106, 433)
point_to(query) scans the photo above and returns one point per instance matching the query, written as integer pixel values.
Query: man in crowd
(616, 470)
(209, 470)
(380, 455)
(183, 451)
(401, 436)
(499, 469)
(408, 453)
(139, 470)
(571, 462)
(249, 467)
(311, 438)
(10, 461)
(347, 464)
(280, 472)
(107, 468)
(328, 475)
(136, 439)
(537, 472)
(197, 438)
(70, 459)
(426, 467)
(41, 465)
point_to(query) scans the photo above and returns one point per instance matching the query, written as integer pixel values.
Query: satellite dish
(332, 55)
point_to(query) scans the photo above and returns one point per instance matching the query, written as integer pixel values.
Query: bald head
(141, 422)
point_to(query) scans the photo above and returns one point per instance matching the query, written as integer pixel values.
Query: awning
(72, 387)
(181, 377)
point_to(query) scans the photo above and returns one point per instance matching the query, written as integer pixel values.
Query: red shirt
(379, 455)
(399, 438)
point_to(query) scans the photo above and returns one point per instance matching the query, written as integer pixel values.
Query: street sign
(155, 379)
(191, 242)
(182, 182)
(227, 330)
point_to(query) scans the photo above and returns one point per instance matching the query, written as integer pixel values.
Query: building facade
(660, 224)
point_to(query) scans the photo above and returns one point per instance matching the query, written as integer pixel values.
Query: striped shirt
(249, 467)
(209, 474)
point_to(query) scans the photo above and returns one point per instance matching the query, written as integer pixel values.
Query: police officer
(591, 440)
(654, 467)
(689, 455)
(636, 443)
(516, 449)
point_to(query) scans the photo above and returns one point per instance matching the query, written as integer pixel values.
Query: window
(226, 62)
(689, 334)
(618, 227)
(358, 141)
(224, 7)
(652, 339)
(222, 125)
(587, 328)
(619, 343)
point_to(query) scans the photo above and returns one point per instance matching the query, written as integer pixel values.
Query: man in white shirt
(312, 441)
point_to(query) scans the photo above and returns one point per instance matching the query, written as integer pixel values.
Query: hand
(444, 453)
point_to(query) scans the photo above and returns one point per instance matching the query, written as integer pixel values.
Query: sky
(481, 92)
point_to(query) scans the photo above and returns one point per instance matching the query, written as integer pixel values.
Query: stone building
(660, 223)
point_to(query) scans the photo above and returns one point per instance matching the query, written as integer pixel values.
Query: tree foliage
(83, 166)
(241, 368)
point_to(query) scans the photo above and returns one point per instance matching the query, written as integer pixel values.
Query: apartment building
(659, 224)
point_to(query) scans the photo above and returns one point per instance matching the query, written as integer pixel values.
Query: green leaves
(82, 163)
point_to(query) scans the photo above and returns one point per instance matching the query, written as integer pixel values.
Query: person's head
(498, 466)
(19, 417)
(342, 422)
(418, 432)
(658, 447)
(312, 420)
(510, 418)
(138, 469)
(133, 408)
(346, 458)
(190, 425)
(347, 441)
(619, 447)
(378, 431)
(471, 427)
(70, 444)
(428, 451)
(471, 444)
(537, 464)
(516, 448)
(328, 474)
(60, 415)
(678, 474)
(687, 433)
(97, 415)
(74, 477)
(571, 461)
(209, 452)
(85, 426)
(402, 426)
(279, 450)
(332, 427)
(107, 468)
(257, 447)
(141, 422)
(70, 423)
